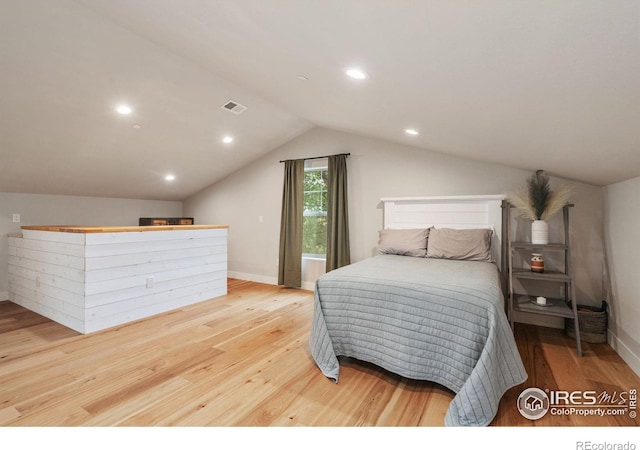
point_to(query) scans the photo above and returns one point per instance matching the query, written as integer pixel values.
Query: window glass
(314, 224)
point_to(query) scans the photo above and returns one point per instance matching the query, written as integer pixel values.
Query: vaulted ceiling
(529, 84)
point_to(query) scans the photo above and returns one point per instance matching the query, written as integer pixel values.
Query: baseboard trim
(253, 277)
(306, 285)
(4, 295)
(625, 352)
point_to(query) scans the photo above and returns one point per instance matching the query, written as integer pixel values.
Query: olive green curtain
(290, 262)
(338, 247)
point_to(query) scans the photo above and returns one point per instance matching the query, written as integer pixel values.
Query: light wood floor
(243, 360)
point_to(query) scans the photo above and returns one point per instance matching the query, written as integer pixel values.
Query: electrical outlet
(16, 218)
(150, 281)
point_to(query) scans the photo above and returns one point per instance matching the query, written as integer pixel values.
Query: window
(314, 223)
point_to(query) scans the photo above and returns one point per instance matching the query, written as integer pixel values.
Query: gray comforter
(425, 319)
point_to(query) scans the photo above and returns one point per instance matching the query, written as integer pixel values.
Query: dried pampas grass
(520, 199)
(537, 201)
(559, 198)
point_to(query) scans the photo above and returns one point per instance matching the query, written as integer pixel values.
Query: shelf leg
(576, 322)
(569, 270)
(578, 342)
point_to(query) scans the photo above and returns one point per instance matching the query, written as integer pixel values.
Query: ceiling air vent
(234, 107)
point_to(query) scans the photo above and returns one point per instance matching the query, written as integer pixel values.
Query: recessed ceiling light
(411, 132)
(302, 78)
(356, 74)
(227, 139)
(137, 126)
(124, 109)
(170, 177)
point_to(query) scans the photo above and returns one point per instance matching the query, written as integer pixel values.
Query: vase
(537, 263)
(539, 232)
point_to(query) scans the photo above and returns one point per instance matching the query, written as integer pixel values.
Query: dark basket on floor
(593, 324)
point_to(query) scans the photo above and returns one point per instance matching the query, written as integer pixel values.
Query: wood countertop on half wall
(122, 229)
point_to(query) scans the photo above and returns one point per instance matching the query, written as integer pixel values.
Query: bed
(434, 313)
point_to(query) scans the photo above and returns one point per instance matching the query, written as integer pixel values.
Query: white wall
(376, 169)
(622, 237)
(35, 209)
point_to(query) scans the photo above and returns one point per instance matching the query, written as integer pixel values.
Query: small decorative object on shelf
(537, 263)
(539, 232)
(541, 301)
(538, 203)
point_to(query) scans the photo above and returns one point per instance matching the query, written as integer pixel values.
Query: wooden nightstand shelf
(559, 307)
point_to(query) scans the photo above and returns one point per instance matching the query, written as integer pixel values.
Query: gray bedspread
(425, 319)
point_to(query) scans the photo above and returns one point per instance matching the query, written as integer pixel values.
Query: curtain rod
(316, 157)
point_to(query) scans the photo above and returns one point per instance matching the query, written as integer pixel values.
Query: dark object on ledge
(593, 323)
(149, 221)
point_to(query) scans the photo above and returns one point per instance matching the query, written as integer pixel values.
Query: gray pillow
(449, 243)
(410, 242)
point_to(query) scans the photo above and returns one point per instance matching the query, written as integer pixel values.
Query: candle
(541, 301)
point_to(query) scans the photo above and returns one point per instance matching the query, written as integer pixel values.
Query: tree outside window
(314, 224)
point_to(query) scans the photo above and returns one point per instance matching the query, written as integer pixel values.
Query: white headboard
(470, 211)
